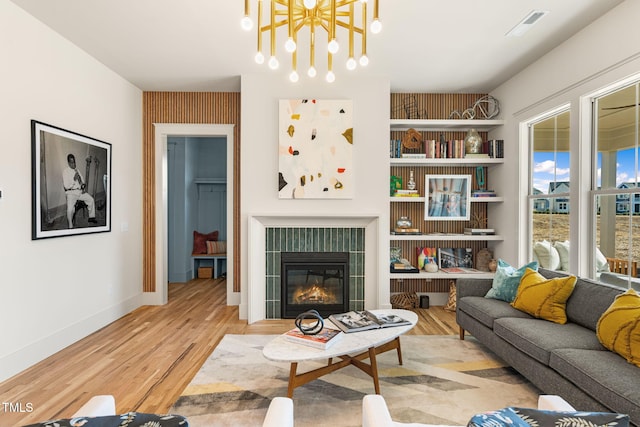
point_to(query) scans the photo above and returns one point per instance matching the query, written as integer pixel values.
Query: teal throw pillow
(507, 279)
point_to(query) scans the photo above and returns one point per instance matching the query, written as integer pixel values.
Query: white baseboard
(31, 354)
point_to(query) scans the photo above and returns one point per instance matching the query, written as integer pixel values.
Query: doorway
(162, 133)
(197, 200)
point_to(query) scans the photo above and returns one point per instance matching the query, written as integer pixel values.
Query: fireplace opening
(314, 280)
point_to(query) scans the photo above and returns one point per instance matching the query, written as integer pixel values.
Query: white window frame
(588, 130)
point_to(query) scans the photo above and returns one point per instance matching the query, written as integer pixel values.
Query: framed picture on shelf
(448, 197)
(71, 191)
(455, 257)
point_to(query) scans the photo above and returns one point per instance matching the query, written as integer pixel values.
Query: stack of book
(414, 156)
(406, 193)
(479, 231)
(483, 193)
(322, 340)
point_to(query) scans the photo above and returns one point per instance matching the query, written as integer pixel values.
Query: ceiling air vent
(527, 22)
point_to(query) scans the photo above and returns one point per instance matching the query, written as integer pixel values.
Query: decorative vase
(411, 184)
(431, 267)
(493, 265)
(403, 222)
(472, 142)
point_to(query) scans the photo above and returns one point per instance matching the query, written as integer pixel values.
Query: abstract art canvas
(315, 149)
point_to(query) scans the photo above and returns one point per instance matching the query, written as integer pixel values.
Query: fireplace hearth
(314, 280)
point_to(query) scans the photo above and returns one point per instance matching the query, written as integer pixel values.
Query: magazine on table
(355, 321)
(322, 340)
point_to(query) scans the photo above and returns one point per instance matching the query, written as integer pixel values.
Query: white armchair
(279, 414)
(97, 406)
(376, 414)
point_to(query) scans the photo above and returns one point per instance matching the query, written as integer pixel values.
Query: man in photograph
(75, 190)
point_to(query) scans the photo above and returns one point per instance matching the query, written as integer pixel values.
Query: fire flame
(314, 295)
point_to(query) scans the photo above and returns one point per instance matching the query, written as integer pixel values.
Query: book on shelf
(355, 321)
(476, 156)
(322, 340)
(483, 193)
(479, 231)
(406, 193)
(406, 231)
(455, 257)
(460, 270)
(403, 266)
(496, 148)
(414, 156)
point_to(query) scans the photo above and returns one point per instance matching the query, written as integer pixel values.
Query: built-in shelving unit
(414, 206)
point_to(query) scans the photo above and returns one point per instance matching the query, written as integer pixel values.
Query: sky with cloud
(548, 168)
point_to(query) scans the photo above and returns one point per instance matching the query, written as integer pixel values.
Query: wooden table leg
(399, 351)
(292, 379)
(374, 369)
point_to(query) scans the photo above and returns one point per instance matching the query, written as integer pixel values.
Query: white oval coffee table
(351, 349)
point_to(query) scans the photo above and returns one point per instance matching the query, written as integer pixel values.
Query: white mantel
(376, 270)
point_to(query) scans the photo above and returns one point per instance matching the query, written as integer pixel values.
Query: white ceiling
(425, 45)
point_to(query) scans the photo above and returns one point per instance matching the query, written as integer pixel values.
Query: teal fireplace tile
(283, 239)
(308, 239)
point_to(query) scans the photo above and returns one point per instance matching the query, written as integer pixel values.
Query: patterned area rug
(443, 381)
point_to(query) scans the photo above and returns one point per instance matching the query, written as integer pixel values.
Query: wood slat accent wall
(430, 105)
(185, 107)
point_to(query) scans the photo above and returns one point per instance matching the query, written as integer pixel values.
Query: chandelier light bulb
(259, 58)
(312, 72)
(333, 46)
(310, 4)
(331, 77)
(351, 64)
(273, 63)
(364, 60)
(376, 26)
(246, 23)
(294, 77)
(290, 45)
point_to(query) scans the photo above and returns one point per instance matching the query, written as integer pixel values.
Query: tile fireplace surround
(358, 235)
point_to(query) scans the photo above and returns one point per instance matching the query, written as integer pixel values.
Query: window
(549, 186)
(615, 194)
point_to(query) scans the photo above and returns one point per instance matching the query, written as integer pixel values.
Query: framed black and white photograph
(70, 183)
(448, 197)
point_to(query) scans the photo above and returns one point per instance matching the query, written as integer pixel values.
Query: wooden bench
(217, 259)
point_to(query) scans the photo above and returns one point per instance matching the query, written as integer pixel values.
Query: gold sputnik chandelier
(312, 15)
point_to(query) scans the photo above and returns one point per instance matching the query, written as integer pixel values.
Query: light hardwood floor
(146, 358)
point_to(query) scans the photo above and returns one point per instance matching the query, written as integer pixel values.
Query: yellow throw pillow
(619, 327)
(544, 298)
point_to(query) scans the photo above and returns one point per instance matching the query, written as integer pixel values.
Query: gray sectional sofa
(567, 360)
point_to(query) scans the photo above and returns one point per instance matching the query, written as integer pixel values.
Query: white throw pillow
(563, 251)
(547, 255)
(601, 261)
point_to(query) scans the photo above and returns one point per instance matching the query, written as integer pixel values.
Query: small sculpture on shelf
(403, 222)
(411, 184)
(483, 258)
(478, 221)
